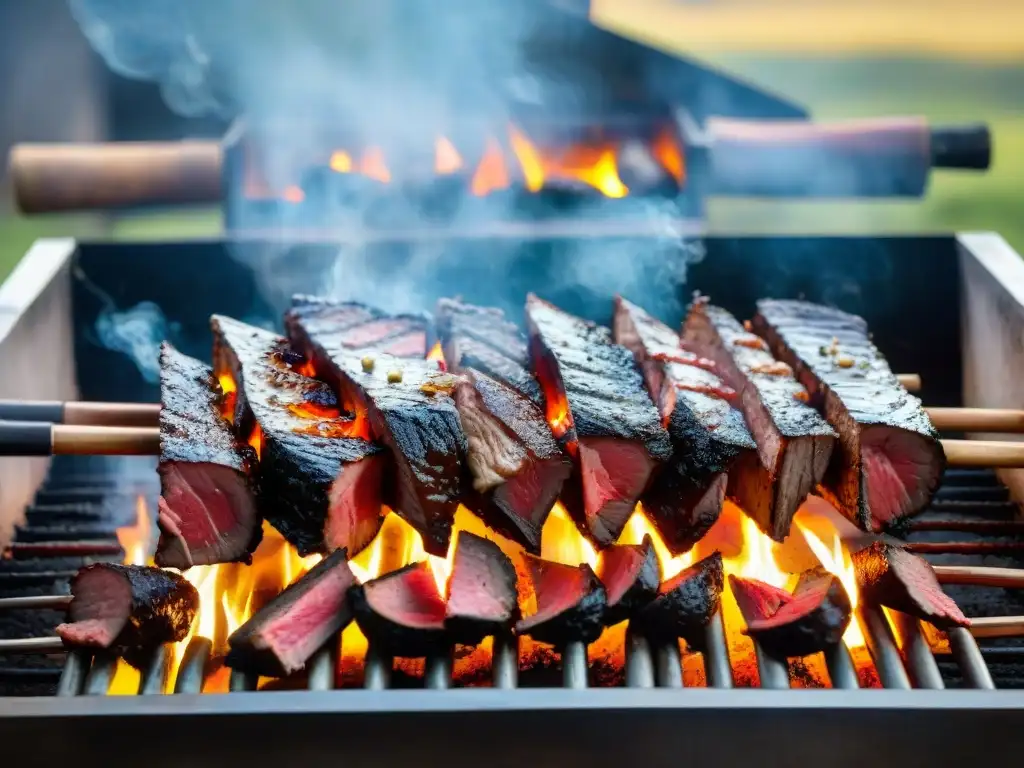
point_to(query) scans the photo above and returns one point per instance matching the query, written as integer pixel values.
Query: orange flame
(666, 151)
(134, 539)
(446, 158)
(341, 162)
(836, 560)
(373, 166)
(596, 166)
(491, 174)
(529, 159)
(294, 194)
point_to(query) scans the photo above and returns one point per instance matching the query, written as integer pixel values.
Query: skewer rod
(983, 453)
(979, 576)
(998, 626)
(910, 381)
(82, 414)
(39, 601)
(977, 419)
(27, 438)
(32, 645)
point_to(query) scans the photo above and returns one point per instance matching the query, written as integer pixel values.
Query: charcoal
(131, 609)
(596, 401)
(281, 637)
(570, 602)
(402, 613)
(708, 433)
(482, 596)
(791, 625)
(889, 462)
(320, 482)
(794, 443)
(631, 577)
(409, 409)
(889, 575)
(207, 510)
(685, 604)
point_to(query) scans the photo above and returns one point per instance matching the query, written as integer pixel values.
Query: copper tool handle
(984, 453)
(84, 414)
(78, 177)
(1005, 420)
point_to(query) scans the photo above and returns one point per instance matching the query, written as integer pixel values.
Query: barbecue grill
(957, 330)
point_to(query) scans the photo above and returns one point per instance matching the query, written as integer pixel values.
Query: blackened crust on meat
(685, 604)
(207, 508)
(308, 443)
(890, 576)
(812, 619)
(707, 432)
(517, 466)
(131, 609)
(631, 577)
(482, 338)
(794, 443)
(571, 602)
(401, 613)
(889, 461)
(280, 638)
(612, 421)
(362, 329)
(482, 596)
(410, 411)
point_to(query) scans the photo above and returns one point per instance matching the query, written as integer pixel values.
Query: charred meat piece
(320, 484)
(889, 460)
(707, 432)
(283, 634)
(685, 604)
(517, 467)
(410, 410)
(570, 603)
(131, 609)
(631, 576)
(402, 613)
(207, 512)
(595, 397)
(482, 338)
(794, 442)
(890, 576)
(360, 328)
(482, 596)
(784, 625)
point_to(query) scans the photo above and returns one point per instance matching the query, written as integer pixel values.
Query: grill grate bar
(154, 677)
(884, 651)
(73, 675)
(920, 663)
(242, 681)
(968, 657)
(639, 662)
(717, 668)
(505, 662)
(321, 666)
(193, 666)
(774, 674)
(101, 674)
(668, 666)
(842, 672)
(437, 674)
(574, 665)
(376, 670)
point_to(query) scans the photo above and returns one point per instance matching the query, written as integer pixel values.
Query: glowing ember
(341, 162)
(446, 158)
(491, 174)
(836, 560)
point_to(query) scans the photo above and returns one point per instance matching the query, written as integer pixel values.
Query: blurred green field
(835, 87)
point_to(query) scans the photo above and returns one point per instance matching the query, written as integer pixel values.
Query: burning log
(128, 608)
(207, 513)
(890, 576)
(402, 613)
(707, 433)
(320, 482)
(889, 461)
(282, 636)
(631, 577)
(794, 443)
(407, 402)
(570, 603)
(786, 625)
(595, 398)
(482, 596)
(685, 604)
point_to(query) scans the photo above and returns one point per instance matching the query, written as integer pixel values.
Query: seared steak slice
(794, 442)
(889, 460)
(595, 398)
(131, 609)
(570, 603)
(707, 432)
(320, 483)
(517, 466)
(631, 577)
(207, 513)
(409, 409)
(482, 596)
(402, 613)
(481, 338)
(279, 638)
(360, 328)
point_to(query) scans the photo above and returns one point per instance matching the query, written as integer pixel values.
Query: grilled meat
(207, 513)
(482, 597)
(631, 577)
(320, 484)
(279, 638)
(794, 442)
(889, 461)
(131, 609)
(810, 620)
(401, 613)
(890, 576)
(517, 466)
(360, 328)
(685, 604)
(570, 603)
(707, 432)
(595, 399)
(409, 409)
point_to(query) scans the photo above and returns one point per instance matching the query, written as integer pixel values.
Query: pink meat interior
(758, 601)
(614, 474)
(620, 566)
(354, 514)
(900, 468)
(99, 609)
(409, 598)
(557, 587)
(478, 588)
(800, 604)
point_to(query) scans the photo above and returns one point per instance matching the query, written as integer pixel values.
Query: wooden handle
(998, 626)
(979, 576)
(78, 177)
(105, 441)
(910, 381)
(112, 414)
(977, 419)
(984, 453)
